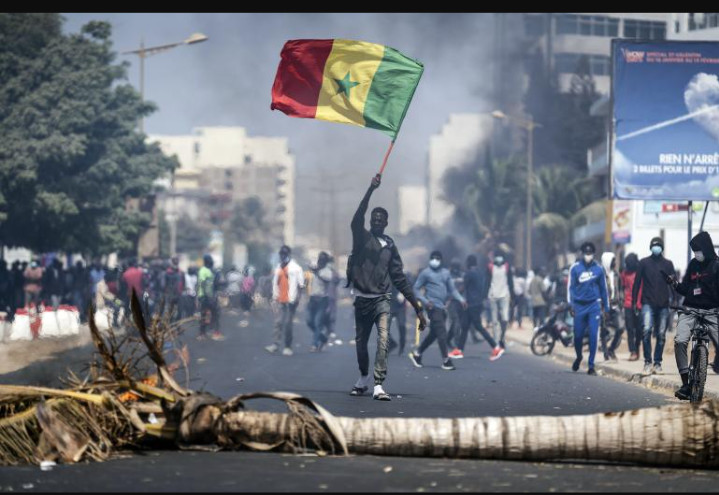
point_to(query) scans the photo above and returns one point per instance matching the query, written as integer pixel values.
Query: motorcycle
(555, 328)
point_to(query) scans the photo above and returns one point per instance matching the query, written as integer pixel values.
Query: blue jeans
(586, 318)
(316, 309)
(655, 319)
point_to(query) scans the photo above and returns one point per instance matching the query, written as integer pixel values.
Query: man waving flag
(346, 81)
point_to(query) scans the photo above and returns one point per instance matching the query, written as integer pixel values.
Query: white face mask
(699, 255)
(499, 260)
(588, 258)
(434, 263)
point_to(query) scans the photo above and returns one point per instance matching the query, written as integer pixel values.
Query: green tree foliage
(70, 154)
(249, 225)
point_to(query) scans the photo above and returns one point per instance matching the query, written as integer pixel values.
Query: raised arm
(358, 218)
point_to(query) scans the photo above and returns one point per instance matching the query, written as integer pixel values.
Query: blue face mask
(657, 250)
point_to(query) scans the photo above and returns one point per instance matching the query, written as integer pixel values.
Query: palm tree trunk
(678, 435)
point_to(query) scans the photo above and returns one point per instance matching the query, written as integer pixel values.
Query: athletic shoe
(448, 366)
(272, 348)
(591, 372)
(657, 369)
(496, 353)
(456, 353)
(380, 394)
(415, 358)
(647, 368)
(217, 336)
(314, 349)
(683, 393)
(357, 391)
(613, 356)
(287, 351)
(575, 364)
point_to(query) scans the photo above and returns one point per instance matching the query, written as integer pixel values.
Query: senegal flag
(346, 81)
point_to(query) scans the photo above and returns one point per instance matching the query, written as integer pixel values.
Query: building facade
(224, 165)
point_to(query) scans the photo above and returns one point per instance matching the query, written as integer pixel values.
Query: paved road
(517, 384)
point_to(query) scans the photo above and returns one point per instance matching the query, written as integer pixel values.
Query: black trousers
(473, 317)
(437, 331)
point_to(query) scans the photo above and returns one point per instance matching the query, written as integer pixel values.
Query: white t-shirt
(499, 287)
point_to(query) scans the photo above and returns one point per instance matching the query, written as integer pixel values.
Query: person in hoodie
(656, 298)
(700, 288)
(587, 294)
(631, 319)
(609, 349)
(438, 285)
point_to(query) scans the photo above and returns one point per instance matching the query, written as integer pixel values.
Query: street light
(143, 53)
(529, 124)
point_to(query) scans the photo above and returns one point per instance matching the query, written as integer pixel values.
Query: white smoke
(701, 93)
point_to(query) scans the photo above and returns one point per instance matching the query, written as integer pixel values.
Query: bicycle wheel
(700, 362)
(542, 343)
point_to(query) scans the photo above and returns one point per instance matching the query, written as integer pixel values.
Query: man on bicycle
(700, 288)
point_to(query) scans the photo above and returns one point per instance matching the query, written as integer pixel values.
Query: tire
(701, 361)
(542, 343)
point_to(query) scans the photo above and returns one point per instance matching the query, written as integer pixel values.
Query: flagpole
(384, 163)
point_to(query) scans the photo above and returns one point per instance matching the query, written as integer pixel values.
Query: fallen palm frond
(123, 402)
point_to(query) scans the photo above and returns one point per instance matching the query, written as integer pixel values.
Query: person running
(475, 292)
(501, 293)
(374, 266)
(631, 318)
(321, 277)
(700, 288)
(656, 298)
(207, 295)
(287, 284)
(438, 285)
(587, 293)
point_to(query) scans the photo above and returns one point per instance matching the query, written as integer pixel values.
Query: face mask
(588, 258)
(699, 255)
(434, 263)
(657, 250)
(498, 260)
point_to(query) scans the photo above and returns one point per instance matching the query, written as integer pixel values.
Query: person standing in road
(287, 284)
(207, 295)
(537, 297)
(656, 298)
(587, 294)
(438, 285)
(374, 266)
(33, 284)
(501, 293)
(475, 292)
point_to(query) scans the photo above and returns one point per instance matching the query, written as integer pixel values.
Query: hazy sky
(227, 81)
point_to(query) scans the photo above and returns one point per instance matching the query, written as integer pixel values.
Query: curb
(655, 382)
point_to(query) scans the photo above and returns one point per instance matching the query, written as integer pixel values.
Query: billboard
(665, 142)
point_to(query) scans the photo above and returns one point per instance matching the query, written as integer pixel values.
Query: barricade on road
(20, 328)
(31, 324)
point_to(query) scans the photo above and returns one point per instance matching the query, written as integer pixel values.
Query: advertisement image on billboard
(665, 143)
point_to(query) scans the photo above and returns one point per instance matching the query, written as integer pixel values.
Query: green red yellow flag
(346, 81)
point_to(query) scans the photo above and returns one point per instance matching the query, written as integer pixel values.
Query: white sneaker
(287, 351)
(657, 369)
(272, 348)
(647, 369)
(380, 394)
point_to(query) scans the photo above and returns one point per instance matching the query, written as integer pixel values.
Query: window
(228, 172)
(587, 25)
(649, 30)
(197, 148)
(567, 63)
(248, 159)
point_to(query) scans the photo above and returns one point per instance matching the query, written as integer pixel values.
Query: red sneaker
(217, 336)
(456, 354)
(496, 353)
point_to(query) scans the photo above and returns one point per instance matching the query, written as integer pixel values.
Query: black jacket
(373, 269)
(700, 285)
(475, 286)
(656, 292)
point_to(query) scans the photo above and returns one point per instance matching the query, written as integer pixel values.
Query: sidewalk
(631, 371)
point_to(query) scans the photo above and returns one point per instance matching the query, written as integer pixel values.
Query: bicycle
(699, 352)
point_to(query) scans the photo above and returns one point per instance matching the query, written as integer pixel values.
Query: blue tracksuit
(586, 291)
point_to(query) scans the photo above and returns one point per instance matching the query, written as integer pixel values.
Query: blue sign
(666, 120)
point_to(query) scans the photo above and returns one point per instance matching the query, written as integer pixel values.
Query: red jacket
(627, 279)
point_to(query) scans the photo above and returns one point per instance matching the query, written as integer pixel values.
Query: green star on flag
(345, 85)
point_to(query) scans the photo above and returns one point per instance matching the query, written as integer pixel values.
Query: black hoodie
(700, 285)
